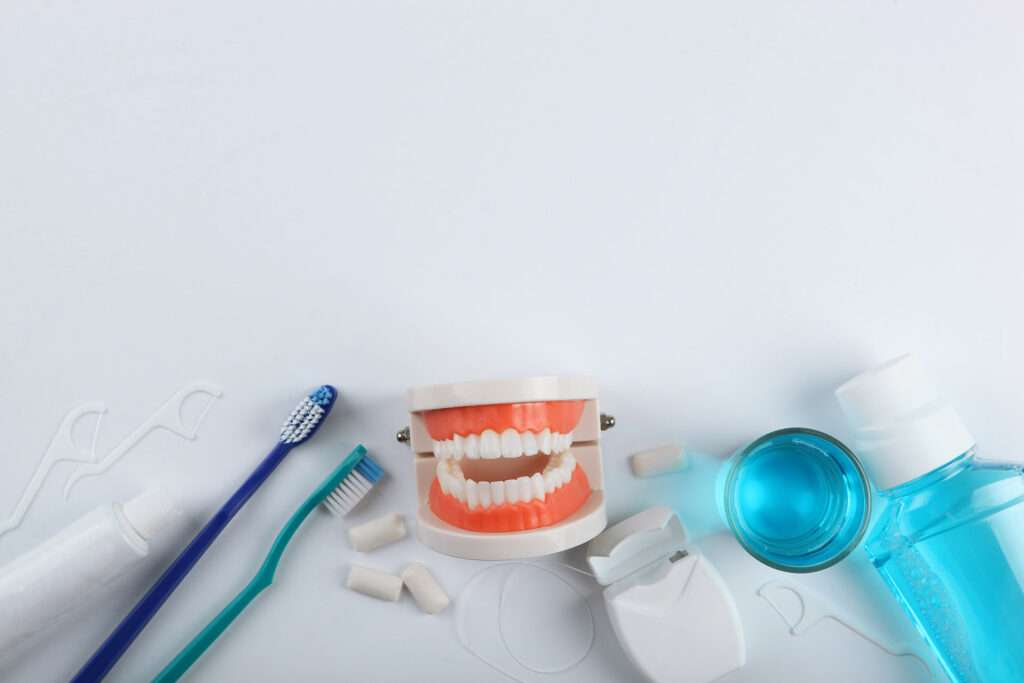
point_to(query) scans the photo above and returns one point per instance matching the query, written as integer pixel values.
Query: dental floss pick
(425, 589)
(657, 461)
(377, 533)
(71, 570)
(375, 583)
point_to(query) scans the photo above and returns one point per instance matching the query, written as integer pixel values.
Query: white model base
(583, 525)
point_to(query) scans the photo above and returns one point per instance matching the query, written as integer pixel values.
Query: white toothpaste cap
(149, 512)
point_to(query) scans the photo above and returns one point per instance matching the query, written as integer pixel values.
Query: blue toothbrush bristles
(308, 415)
(354, 488)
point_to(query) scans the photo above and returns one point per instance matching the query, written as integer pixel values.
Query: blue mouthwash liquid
(950, 545)
(796, 499)
(949, 541)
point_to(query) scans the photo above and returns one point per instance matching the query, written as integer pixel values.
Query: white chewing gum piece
(377, 533)
(657, 461)
(375, 583)
(425, 590)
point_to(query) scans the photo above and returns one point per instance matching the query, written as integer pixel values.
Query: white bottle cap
(902, 428)
(149, 512)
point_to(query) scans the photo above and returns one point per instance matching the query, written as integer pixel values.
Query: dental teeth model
(507, 469)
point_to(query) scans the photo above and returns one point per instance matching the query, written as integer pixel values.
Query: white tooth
(490, 444)
(570, 461)
(472, 446)
(497, 492)
(511, 446)
(442, 477)
(457, 488)
(448, 449)
(529, 443)
(544, 441)
(483, 490)
(458, 446)
(537, 482)
(472, 497)
(438, 449)
(511, 491)
(568, 440)
(525, 489)
(550, 481)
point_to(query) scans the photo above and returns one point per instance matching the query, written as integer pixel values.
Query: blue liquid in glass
(796, 499)
(950, 544)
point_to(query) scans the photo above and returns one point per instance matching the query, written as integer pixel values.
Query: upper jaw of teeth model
(507, 469)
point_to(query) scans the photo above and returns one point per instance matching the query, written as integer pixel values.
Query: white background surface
(720, 210)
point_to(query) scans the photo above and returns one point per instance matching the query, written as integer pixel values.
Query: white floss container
(701, 611)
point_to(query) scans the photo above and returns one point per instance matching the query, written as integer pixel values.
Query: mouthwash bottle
(949, 541)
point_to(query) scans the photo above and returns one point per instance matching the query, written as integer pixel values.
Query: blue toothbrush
(300, 426)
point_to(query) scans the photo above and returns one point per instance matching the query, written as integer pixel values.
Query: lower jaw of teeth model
(507, 469)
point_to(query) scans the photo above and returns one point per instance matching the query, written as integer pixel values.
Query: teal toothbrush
(339, 492)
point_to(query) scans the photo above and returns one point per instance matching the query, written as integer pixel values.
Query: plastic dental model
(425, 589)
(658, 461)
(375, 583)
(507, 469)
(377, 533)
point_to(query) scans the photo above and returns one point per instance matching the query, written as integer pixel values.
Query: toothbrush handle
(205, 638)
(104, 659)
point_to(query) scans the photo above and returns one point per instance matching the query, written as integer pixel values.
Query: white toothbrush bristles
(354, 487)
(308, 415)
